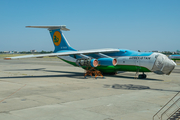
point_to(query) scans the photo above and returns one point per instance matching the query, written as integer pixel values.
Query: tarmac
(50, 89)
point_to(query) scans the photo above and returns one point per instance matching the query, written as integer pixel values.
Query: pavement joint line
(12, 93)
(10, 82)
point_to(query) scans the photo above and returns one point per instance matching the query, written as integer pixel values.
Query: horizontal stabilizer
(61, 27)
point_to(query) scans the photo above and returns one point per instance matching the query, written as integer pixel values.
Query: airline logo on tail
(57, 38)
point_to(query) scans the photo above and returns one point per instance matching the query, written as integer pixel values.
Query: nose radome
(163, 65)
(168, 66)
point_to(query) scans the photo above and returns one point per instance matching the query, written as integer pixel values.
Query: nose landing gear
(140, 76)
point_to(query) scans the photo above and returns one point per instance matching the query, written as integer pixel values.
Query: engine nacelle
(107, 61)
(87, 62)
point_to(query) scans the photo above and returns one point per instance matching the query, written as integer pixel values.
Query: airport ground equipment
(170, 111)
(89, 65)
(92, 71)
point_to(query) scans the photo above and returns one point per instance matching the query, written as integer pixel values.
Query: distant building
(155, 51)
(16, 52)
(177, 51)
(10, 52)
(33, 51)
(6, 52)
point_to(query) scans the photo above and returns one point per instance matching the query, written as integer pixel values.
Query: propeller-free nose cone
(169, 65)
(163, 65)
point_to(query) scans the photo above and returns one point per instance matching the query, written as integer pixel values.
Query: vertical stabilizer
(59, 40)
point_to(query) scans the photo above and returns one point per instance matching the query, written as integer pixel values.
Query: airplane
(174, 57)
(105, 61)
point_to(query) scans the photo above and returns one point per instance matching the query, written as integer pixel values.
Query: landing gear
(111, 73)
(142, 76)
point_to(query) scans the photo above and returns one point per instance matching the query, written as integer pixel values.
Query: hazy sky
(144, 25)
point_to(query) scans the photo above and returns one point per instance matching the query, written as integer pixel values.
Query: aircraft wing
(107, 50)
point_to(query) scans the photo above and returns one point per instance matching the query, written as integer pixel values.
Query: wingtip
(7, 58)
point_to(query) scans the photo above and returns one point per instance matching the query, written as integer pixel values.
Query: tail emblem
(57, 38)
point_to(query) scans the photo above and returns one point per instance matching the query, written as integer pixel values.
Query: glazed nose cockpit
(163, 65)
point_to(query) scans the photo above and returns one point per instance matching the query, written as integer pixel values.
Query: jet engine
(87, 62)
(107, 61)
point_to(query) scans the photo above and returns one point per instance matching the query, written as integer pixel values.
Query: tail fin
(59, 40)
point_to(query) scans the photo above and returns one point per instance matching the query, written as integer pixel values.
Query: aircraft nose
(168, 66)
(163, 65)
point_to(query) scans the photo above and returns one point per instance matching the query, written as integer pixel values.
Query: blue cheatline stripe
(124, 52)
(176, 55)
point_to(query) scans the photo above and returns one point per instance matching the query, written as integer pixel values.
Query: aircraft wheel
(111, 73)
(142, 76)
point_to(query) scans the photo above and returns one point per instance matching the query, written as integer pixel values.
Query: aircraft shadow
(43, 69)
(129, 77)
(78, 75)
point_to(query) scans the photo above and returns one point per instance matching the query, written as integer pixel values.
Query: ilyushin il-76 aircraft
(106, 61)
(174, 57)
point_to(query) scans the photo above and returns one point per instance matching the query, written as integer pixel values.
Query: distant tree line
(25, 52)
(44, 52)
(170, 53)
